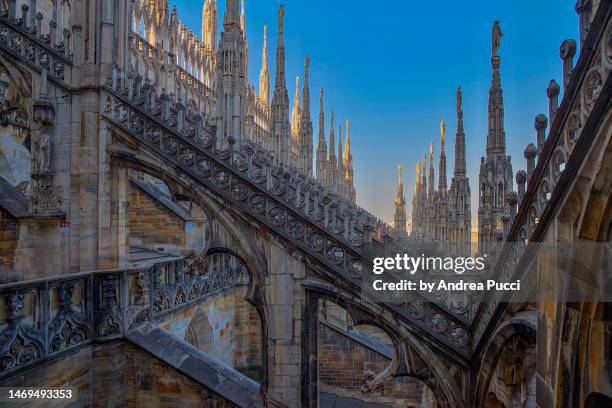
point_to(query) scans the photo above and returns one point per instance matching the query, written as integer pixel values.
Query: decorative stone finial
(552, 92)
(459, 100)
(496, 36)
(530, 151)
(540, 124)
(281, 15)
(567, 51)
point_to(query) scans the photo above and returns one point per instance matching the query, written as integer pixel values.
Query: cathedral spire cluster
(267, 117)
(443, 215)
(440, 215)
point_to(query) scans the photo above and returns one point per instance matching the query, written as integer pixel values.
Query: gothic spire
(496, 138)
(246, 44)
(321, 123)
(340, 155)
(231, 14)
(279, 79)
(424, 175)
(347, 144)
(306, 92)
(322, 169)
(399, 196)
(306, 136)
(242, 19)
(431, 188)
(332, 147)
(264, 73)
(459, 138)
(442, 164)
(295, 111)
(399, 220)
(348, 165)
(341, 169)
(332, 164)
(280, 135)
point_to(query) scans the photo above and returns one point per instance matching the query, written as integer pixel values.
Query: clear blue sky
(392, 68)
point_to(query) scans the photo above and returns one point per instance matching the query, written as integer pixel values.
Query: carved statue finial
(306, 63)
(321, 99)
(459, 99)
(496, 36)
(431, 149)
(281, 14)
(399, 171)
(442, 131)
(42, 149)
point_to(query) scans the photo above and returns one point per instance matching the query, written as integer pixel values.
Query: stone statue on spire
(459, 100)
(281, 15)
(442, 131)
(496, 36)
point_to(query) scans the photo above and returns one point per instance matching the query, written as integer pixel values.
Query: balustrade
(46, 317)
(36, 48)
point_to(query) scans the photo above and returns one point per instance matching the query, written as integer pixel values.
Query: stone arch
(351, 356)
(218, 317)
(248, 344)
(411, 358)
(522, 325)
(199, 331)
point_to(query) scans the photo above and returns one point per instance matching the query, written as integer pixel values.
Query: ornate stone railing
(45, 318)
(331, 230)
(37, 49)
(586, 99)
(168, 73)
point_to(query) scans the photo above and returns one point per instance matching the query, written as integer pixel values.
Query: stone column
(32, 21)
(567, 53)
(12, 10)
(67, 50)
(52, 33)
(24, 16)
(521, 179)
(540, 124)
(285, 300)
(39, 18)
(530, 154)
(553, 101)
(584, 9)
(111, 244)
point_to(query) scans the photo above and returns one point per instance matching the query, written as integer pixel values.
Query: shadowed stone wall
(151, 223)
(128, 376)
(226, 327)
(342, 363)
